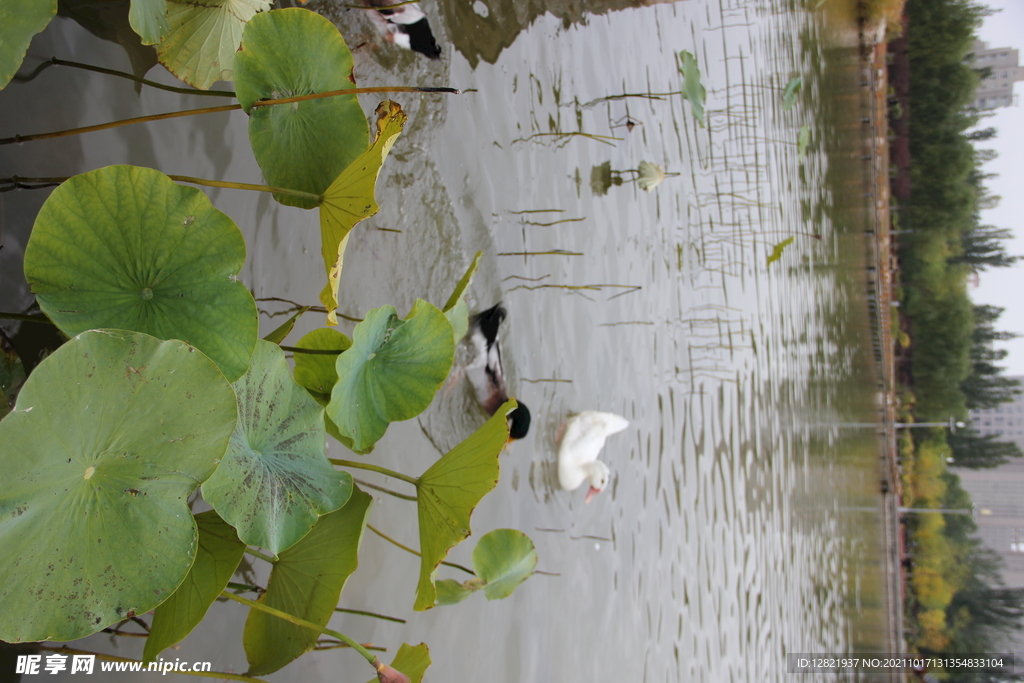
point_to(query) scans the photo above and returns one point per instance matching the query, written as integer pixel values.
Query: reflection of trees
(480, 37)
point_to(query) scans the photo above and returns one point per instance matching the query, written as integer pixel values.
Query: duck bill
(591, 493)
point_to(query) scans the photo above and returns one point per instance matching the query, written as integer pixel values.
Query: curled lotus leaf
(110, 436)
(455, 308)
(127, 248)
(351, 198)
(449, 491)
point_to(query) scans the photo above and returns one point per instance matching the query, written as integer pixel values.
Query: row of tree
(954, 363)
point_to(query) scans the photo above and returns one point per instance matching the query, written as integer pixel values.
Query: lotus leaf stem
(257, 553)
(215, 110)
(375, 468)
(410, 550)
(369, 614)
(26, 318)
(64, 649)
(54, 61)
(303, 623)
(337, 644)
(246, 587)
(388, 491)
(245, 186)
(315, 352)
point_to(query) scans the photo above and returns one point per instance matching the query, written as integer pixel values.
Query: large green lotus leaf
(693, 89)
(306, 145)
(350, 199)
(448, 492)
(317, 372)
(413, 661)
(275, 481)
(126, 247)
(218, 556)
(203, 38)
(110, 436)
(504, 558)
(20, 20)
(148, 18)
(306, 582)
(455, 308)
(391, 372)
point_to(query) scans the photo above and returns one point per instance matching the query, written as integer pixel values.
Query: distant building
(996, 492)
(996, 90)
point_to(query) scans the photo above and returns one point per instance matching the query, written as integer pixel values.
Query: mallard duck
(405, 26)
(486, 373)
(584, 437)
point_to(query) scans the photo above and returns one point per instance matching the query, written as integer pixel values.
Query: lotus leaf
(448, 492)
(413, 661)
(285, 328)
(778, 249)
(306, 145)
(803, 141)
(217, 557)
(111, 435)
(792, 92)
(455, 308)
(391, 372)
(306, 582)
(275, 481)
(504, 558)
(350, 199)
(20, 20)
(203, 38)
(317, 372)
(148, 18)
(451, 592)
(125, 247)
(693, 89)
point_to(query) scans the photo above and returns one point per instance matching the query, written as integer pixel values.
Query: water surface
(740, 523)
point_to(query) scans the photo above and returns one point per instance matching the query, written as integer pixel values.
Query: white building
(996, 90)
(996, 492)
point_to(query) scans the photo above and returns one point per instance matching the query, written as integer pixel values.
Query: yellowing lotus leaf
(350, 199)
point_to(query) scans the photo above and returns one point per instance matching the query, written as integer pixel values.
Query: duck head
(598, 474)
(519, 422)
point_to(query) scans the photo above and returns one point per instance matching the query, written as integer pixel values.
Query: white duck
(584, 437)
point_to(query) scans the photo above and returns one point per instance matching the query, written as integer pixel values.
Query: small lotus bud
(385, 674)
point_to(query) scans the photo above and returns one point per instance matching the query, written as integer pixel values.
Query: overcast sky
(1005, 286)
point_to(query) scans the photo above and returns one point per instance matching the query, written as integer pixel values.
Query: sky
(1005, 286)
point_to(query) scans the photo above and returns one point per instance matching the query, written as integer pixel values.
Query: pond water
(741, 522)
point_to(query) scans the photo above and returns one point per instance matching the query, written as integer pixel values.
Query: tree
(983, 134)
(982, 246)
(975, 451)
